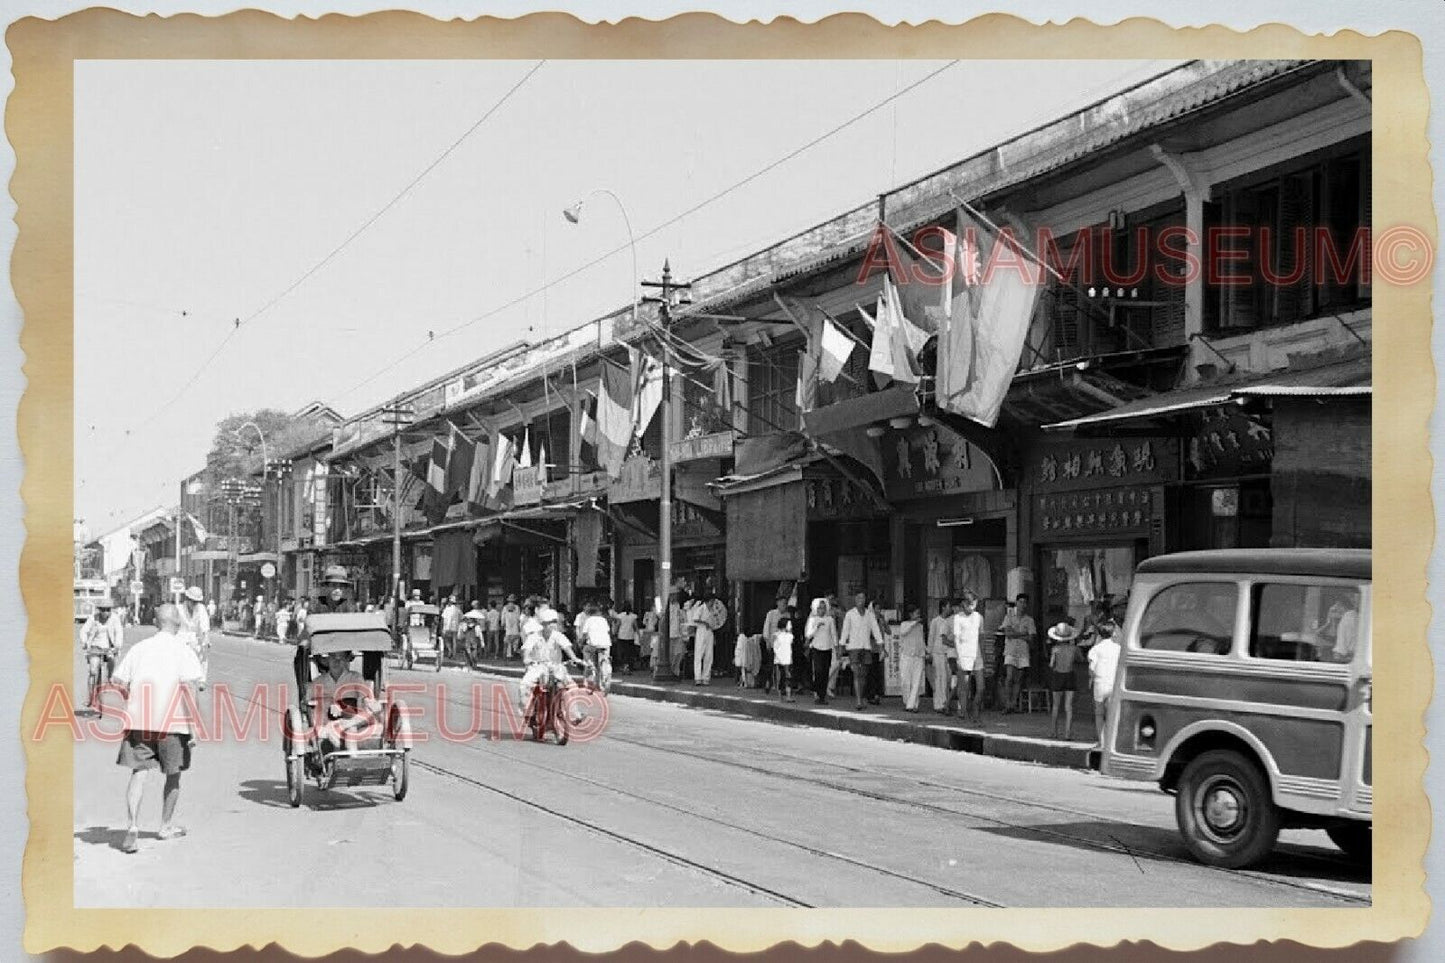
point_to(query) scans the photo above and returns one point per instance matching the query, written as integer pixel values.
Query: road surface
(666, 806)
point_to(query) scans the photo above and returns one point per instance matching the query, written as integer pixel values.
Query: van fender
(1271, 769)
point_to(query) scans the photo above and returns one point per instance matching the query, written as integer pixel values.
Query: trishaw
(421, 637)
(377, 751)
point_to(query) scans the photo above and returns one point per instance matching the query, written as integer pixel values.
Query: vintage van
(1244, 688)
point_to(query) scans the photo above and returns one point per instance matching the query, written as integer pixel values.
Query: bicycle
(99, 666)
(548, 711)
(597, 671)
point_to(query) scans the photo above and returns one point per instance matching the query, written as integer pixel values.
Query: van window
(1191, 617)
(1305, 623)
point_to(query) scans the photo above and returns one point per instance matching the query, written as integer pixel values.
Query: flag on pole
(524, 458)
(502, 464)
(902, 337)
(436, 472)
(459, 466)
(836, 349)
(988, 323)
(476, 490)
(807, 392)
(201, 533)
(880, 356)
(587, 421)
(649, 394)
(614, 418)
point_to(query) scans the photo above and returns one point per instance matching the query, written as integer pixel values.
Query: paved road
(668, 806)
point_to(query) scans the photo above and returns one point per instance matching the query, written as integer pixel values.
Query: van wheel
(1224, 810)
(1356, 839)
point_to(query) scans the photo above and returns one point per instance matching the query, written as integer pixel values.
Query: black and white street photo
(779, 483)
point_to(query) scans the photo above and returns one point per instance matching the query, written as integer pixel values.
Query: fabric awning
(767, 531)
(1343, 378)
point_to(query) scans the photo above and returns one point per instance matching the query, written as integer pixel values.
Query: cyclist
(196, 626)
(100, 638)
(595, 634)
(546, 656)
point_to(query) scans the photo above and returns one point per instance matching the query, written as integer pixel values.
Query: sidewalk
(1021, 736)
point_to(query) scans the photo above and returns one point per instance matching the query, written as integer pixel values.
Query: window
(1305, 623)
(1288, 237)
(772, 388)
(1191, 617)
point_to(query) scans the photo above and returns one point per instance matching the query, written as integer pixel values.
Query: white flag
(837, 347)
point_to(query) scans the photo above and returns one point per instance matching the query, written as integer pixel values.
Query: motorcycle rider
(546, 656)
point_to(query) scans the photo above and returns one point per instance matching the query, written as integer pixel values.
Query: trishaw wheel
(295, 781)
(401, 774)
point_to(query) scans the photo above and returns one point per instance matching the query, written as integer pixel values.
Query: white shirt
(596, 632)
(195, 625)
(965, 638)
(512, 619)
(1103, 661)
(153, 672)
(782, 648)
(940, 635)
(627, 625)
(860, 629)
(494, 620)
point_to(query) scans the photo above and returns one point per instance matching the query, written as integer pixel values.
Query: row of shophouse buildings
(1157, 405)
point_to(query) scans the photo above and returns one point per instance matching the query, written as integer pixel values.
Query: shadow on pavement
(105, 836)
(268, 792)
(1146, 843)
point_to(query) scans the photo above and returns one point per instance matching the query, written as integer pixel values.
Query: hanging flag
(542, 462)
(902, 337)
(917, 292)
(502, 464)
(476, 490)
(201, 533)
(880, 356)
(614, 418)
(587, 421)
(836, 348)
(988, 324)
(459, 465)
(807, 393)
(649, 395)
(524, 456)
(436, 473)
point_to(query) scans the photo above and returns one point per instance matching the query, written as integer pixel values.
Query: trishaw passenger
(344, 702)
(546, 656)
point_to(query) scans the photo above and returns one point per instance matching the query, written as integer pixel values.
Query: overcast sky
(204, 189)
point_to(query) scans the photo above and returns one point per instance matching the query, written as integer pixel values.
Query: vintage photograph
(801, 483)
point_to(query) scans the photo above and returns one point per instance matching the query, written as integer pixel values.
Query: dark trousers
(874, 689)
(819, 660)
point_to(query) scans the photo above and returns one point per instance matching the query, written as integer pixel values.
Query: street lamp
(397, 415)
(573, 215)
(265, 473)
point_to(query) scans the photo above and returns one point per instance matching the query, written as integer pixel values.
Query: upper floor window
(773, 388)
(1290, 244)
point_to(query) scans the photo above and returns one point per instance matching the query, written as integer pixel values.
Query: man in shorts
(1019, 633)
(157, 733)
(967, 629)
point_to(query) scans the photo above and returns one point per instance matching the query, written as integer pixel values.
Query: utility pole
(662, 668)
(396, 415)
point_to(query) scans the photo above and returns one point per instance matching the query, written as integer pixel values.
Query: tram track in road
(965, 897)
(623, 838)
(1042, 832)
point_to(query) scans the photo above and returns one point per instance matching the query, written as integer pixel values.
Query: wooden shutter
(1296, 208)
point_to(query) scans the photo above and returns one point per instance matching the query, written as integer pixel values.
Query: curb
(1044, 752)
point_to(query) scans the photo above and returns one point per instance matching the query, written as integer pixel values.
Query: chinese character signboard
(527, 485)
(1102, 462)
(719, 444)
(1125, 512)
(928, 461)
(1229, 443)
(836, 498)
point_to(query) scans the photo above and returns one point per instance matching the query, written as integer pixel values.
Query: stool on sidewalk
(1027, 697)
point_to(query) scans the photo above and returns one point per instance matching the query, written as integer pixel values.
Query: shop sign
(1107, 511)
(640, 480)
(319, 517)
(1102, 462)
(718, 444)
(527, 485)
(1229, 443)
(836, 498)
(690, 521)
(923, 462)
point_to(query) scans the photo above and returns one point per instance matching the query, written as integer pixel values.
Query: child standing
(1065, 652)
(1103, 663)
(783, 659)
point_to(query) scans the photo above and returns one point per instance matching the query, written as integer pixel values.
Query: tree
(236, 453)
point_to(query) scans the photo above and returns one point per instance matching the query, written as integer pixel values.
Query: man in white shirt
(494, 628)
(511, 626)
(941, 652)
(967, 624)
(451, 627)
(157, 730)
(1103, 662)
(860, 632)
(545, 654)
(595, 635)
(195, 625)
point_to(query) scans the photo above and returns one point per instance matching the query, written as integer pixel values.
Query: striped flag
(587, 421)
(836, 348)
(614, 418)
(459, 465)
(436, 472)
(648, 395)
(502, 463)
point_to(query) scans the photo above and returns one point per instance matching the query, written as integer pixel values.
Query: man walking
(860, 632)
(942, 654)
(494, 629)
(512, 626)
(157, 734)
(1103, 664)
(195, 625)
(451, 627)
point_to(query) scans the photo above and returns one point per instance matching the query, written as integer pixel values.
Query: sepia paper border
(39, 125)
